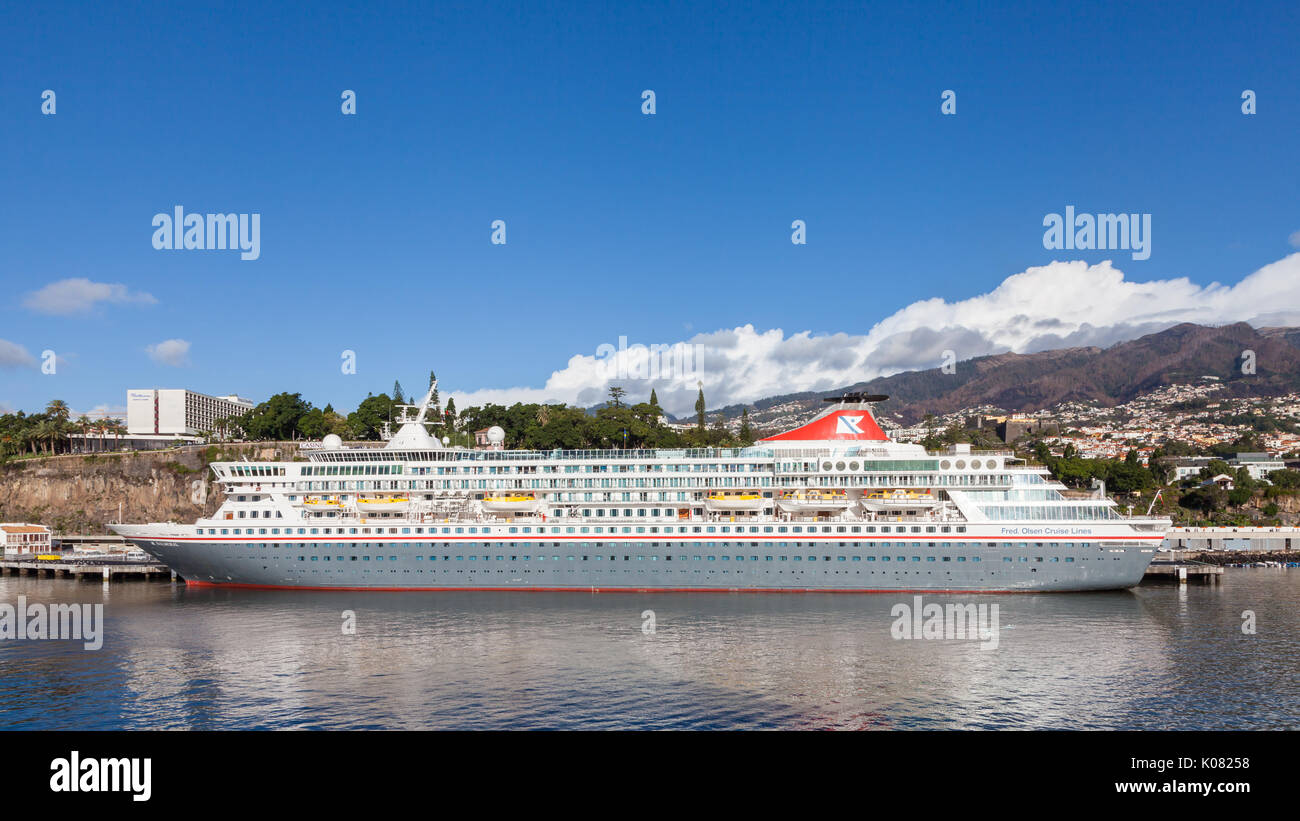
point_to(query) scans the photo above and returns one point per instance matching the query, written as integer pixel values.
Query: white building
(24, 539)
(1260, 465)
(1255, 539)
(178, 412)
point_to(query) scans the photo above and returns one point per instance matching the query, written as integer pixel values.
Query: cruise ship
(833, 505)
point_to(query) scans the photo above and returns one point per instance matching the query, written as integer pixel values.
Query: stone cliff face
(81, 494)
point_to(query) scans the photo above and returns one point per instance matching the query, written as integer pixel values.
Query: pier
(109, 569)
(1182, 573)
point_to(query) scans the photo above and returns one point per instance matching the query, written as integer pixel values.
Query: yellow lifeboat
(325, 502)
(734, 500)
(813, 501)
(382, 504)
(899, 500)
(510, 502)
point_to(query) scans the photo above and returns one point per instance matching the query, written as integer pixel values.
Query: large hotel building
(178, 412)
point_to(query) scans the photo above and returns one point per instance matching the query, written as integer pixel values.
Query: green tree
(1287, 478)
(699, 409)
(746, 432)
(276, 418)
(449, 415)
(367, 421)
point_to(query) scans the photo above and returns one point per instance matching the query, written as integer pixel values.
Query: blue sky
(375, 228)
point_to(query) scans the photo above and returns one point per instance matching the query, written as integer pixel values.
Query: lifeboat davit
(730, 500)
(510, 503)
(813, 501)
(899, 500)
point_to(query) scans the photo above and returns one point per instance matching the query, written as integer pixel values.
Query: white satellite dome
(332, 441)
(446, 440)
(496, 435)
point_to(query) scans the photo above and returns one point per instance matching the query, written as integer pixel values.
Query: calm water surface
(175, 658)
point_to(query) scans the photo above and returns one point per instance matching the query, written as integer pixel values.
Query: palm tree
(28, 438)
(118, 429)
(83, 424)
(45, 433)
(58, 409)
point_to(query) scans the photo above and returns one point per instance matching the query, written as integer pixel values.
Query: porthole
(961, 464)
(975, 464)
(945, 464)
(839, 466)
(826, 465)
(853, 466)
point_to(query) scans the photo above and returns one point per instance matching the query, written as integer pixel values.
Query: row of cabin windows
(406, 531)
(683, 558)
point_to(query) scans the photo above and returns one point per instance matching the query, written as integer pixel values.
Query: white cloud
(174, 352)
(1063, 304)
(1294, 239)
(13, 355)
(79, 295)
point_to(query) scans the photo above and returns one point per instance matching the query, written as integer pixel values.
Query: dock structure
(1182, 573)
(88, 569)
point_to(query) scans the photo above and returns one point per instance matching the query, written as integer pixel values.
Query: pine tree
(746, 433)
(699, 408)
(397, 392)
(450, 414)
(654, 400)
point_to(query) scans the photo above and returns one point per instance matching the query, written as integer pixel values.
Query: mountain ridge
(1109, 376)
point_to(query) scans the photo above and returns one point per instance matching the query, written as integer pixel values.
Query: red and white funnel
(846, 423)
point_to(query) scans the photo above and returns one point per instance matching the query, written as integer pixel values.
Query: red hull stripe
(584, 589)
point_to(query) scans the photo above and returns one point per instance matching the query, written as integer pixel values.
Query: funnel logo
(848, 424)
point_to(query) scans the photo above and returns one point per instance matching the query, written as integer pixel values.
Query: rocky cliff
(81, 494)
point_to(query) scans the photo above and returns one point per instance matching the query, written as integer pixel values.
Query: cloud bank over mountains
(1059, 305)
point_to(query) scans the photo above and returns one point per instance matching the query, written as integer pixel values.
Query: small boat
(899, 500)
(734, 500)
(381, 504)
(813, 501)
(510, 503)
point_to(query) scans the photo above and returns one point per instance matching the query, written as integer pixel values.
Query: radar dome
(332, 442)
(446, 440)
(496, 435)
